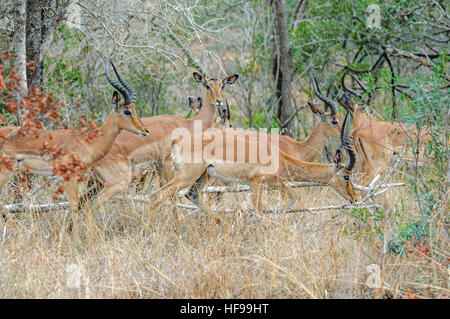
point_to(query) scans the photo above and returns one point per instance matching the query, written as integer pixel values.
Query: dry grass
(134, 250)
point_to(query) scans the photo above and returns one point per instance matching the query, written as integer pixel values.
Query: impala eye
(207, 86)
(346, 178)
(334, 122)
(128, 112)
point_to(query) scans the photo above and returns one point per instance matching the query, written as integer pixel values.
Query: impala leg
(286, 190)
(185, 178)
(4, 177)
(116, 179)
(371, 170)
(256, 187)
(71, 188)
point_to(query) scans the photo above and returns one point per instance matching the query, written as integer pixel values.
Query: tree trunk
(282, 67)
(43, 19)
(34, 27)
(19, 41)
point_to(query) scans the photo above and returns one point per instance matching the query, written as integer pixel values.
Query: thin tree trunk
(20, 51)
(282, 67)
(34, 40)
(43, 19)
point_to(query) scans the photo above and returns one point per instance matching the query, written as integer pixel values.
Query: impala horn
(326, 100)
(130, 89)
(345, 142)
(116, 85)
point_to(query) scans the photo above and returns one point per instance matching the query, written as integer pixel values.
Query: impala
(222, 121)
(376, 142)
(359, 113)
(29, 153)
(307, 150)
(128, 154)
(230, 162)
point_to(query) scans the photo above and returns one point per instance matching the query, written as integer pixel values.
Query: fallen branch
(17, 208)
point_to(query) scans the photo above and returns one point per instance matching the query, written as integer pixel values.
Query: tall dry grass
(128, 249)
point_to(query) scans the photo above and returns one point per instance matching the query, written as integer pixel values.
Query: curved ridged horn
(117, 86)
(330, 102)
(125, 84)
(345, 142)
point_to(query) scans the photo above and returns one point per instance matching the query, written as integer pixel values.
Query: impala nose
(219, 103)
(144, 134)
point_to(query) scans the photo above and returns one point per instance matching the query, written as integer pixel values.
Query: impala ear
(230, 79)
(338, 157)
(191, 101)
(116, 100)
(315, 109)
(198, 77)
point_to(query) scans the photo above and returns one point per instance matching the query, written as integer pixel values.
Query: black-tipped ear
(315, 109)
(191, 100)
(230, 79)
(198, 77)
(116, 99)
(199, 102)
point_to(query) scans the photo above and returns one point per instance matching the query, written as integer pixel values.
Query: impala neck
(313, 145)
(206, 114)
(299, 171)
(103, 142)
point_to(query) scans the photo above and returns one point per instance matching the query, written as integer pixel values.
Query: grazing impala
(376, 142)
(31, 153)
(115, 171)
(237, 161)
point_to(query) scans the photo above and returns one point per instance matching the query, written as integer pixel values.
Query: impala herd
(126, 144)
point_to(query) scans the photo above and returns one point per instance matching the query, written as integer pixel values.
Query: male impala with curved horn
(229, 161)
(28, 152)
(115, 170)
(377, 141)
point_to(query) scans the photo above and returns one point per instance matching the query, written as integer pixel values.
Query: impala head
(224, 118)
(125, 111)
(346, 100)
(334, 115)
(195, 104)
(214, 87)
(328, 126)
(342, 181)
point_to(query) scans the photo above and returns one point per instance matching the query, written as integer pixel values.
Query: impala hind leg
(4, 177)
(256, 188)
(115, 180)
(286, 191)
(71, 188)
